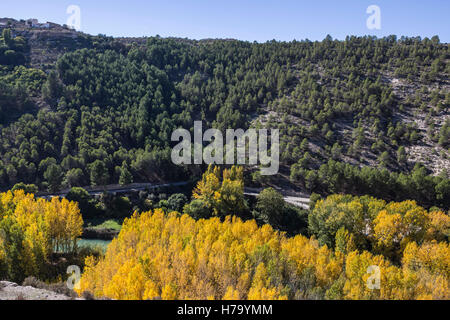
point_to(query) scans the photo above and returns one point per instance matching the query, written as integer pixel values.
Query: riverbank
(92, 233)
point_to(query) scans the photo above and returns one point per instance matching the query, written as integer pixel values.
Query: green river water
(93, 243)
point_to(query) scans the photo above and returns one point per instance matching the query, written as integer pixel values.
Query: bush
(176, 202)
(59, 287)
(197, 209)
(28, 188)
(86, 204)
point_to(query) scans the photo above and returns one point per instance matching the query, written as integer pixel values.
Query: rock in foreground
(12, 291)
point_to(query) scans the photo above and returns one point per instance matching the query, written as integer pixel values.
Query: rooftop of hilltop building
(31, 23)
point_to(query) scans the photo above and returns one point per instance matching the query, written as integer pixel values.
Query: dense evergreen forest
(360, 116)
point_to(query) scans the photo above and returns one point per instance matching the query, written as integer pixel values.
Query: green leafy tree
(28, 188)
(401, 155)
(197, 209)
(99, 173)
(53, 176)
(176, 202)
(125, 175)
(74, 178)
(86, 203)
(270, 206)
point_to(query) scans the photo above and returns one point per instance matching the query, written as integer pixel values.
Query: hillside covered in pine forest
(361, 116)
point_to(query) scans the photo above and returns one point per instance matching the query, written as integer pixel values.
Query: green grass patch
(104, 224)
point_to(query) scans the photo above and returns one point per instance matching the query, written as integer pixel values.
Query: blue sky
(252, 20)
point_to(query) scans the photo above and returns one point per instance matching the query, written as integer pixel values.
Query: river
(93, 243)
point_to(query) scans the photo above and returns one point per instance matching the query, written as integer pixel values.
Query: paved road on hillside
(113, 188)
(299, 200)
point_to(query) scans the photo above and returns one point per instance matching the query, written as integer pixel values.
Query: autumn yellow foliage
(223, 193)
(175, 257)
(32, 229)
(384, 228)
